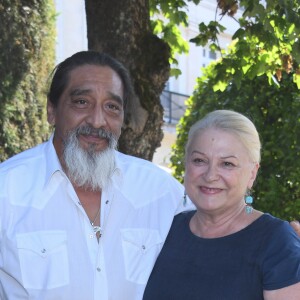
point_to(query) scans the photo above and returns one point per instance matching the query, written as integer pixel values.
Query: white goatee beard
(89, 169)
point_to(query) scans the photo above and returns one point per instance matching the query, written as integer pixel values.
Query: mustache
(102, 133)
(99, 132)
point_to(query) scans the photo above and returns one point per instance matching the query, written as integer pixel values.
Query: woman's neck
(214, 225)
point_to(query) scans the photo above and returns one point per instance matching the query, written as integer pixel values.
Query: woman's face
(218, 171)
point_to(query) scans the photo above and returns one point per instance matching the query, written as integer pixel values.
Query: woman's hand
(296, 226)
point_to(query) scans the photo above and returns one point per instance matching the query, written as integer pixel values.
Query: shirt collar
(52, 162)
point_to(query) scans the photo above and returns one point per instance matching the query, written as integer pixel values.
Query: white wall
(71, 28)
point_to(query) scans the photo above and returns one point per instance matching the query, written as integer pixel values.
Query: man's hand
(296, 226)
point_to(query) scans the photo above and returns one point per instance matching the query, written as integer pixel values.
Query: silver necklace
(104, 215)
(95, 227)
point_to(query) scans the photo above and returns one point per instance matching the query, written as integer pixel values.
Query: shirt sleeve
(281, 266)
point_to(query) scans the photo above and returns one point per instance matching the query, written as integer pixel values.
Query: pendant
(97, 229)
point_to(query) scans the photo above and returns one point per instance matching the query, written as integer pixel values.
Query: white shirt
(48, 250)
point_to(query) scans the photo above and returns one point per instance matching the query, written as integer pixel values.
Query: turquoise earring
(248, 208)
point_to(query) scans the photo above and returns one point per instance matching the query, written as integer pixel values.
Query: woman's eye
(198, 160)
(228, 164)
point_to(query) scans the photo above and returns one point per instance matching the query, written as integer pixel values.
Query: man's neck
(90, 201)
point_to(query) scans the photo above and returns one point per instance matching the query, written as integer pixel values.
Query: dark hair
(60, 74)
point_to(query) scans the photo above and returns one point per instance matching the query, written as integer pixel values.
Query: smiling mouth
(209, 190)
(94, 138)
(94, 135)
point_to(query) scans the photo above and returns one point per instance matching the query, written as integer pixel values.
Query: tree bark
(122, 29)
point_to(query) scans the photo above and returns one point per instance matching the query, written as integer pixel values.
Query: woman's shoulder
(182, 219)
(273, 222)
(276, 230)
(185, 215)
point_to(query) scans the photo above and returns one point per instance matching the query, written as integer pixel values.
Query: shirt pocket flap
(42, 243)
(141, 238)
(140, 249)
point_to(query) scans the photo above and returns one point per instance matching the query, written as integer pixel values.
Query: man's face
(93, 98)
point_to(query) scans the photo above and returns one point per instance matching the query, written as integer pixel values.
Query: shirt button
(98, 269)
(91, 236)
(43, 250)
(143, 247)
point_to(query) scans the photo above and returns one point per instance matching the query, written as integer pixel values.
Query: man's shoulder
(132, 163)
(142, 182)
(24, 158)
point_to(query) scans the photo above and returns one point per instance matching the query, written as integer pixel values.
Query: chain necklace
(104, 214)
(95, 227)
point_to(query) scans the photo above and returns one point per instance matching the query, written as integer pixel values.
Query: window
(212, 55)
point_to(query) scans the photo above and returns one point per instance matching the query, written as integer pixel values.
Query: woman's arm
(291, 292)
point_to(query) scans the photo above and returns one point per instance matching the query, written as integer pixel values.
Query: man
(79, 220)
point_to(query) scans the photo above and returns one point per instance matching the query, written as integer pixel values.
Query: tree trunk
(122, 29)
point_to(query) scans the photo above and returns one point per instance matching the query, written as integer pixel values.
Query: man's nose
(96, 117)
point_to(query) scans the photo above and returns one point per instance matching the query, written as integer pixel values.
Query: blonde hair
(232, 122)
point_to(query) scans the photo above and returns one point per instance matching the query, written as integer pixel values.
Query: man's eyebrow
(78, 92)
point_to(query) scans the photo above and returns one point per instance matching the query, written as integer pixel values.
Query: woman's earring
(248, 207)
(184, 198)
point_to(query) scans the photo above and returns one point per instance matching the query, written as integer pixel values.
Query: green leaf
(220, 86)
(297, 80)
(175, 72)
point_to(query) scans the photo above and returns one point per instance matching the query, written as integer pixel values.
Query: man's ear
(50, 113)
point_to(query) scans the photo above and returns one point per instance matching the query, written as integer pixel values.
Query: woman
(225, 249)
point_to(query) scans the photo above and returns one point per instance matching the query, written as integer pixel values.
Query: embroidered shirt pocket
(140, 249)
(43, 259)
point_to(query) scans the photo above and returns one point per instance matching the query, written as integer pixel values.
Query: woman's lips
(210, 190)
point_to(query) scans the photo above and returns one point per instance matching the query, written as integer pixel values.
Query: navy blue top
(263, 256)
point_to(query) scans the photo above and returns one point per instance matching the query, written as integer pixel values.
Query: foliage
(26, 56)
(275, 110)
(165, 18)
(267, 39)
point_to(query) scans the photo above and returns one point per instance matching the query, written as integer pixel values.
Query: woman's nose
(211, 173)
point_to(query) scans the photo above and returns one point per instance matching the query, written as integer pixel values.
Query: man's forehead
(93, 74)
